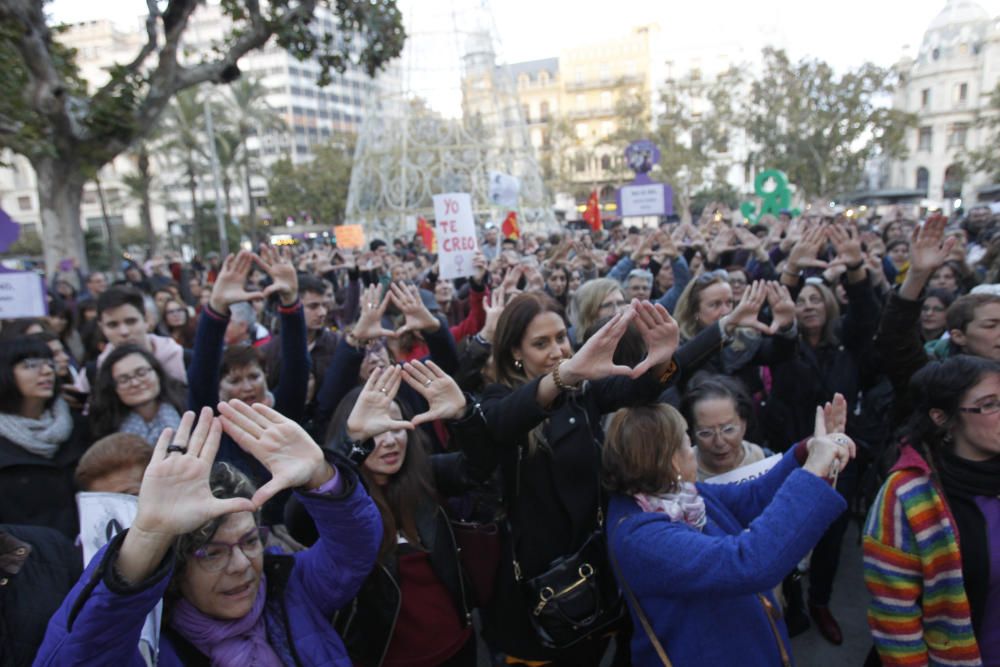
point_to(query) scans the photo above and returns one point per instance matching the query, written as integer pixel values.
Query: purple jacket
(100, 623)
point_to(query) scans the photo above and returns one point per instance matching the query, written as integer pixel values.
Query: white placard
(640, 200)
(22, 294)
(746, 473)
(102, 516)
(504, 189)
(456, 234)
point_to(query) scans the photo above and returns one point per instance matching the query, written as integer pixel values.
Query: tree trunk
(60, 190)
(145, 215)
(251, 206)
(195, 222)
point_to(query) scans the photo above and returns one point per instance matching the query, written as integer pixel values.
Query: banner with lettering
(456, 234)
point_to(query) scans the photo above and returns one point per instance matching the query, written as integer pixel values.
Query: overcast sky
(845, 33)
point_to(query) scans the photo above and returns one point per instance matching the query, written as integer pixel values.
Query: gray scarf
(42, 436)
(166, 417)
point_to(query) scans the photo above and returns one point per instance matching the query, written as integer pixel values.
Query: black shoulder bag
(577, 596)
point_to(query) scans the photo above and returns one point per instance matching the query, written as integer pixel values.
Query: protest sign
(102, 517)
(351, 237)
(22, 294)
(649, 199)
(745, 473)
(456, 234)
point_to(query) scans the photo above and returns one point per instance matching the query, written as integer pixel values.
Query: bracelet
(794, 274)
(669, 373)
(562, 386)
(855, 267)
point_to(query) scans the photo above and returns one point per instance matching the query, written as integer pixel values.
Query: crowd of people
(633, 446)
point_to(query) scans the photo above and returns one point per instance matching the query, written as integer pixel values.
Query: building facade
(947, 86)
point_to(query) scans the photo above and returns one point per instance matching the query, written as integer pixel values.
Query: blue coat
(699, 589)
(98, 623)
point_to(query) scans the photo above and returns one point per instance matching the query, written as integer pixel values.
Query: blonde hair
(587, 303)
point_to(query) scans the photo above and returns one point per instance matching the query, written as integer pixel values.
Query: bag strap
(635, 605)
(769, 612)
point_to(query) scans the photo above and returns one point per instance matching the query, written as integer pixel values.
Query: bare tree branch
(152, 36)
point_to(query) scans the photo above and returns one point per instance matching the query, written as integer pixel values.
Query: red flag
(426, 232)
(509, 228)
(592, 214)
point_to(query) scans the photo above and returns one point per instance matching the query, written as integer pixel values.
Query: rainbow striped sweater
(919, 612)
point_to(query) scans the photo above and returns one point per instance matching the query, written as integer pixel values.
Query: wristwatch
(358, 450)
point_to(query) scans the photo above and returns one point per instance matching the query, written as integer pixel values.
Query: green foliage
(317, 189)
(819, 128)
(27, 244)
(986, 159)
(719, 191)
(97, 250)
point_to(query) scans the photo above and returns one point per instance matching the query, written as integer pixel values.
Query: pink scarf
(239, 643)
(685, 505)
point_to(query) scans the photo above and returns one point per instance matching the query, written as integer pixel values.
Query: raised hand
(829, 453)
(835, 414)
(746, 311)
(445, 399)
(929, 248)
(370, 415)
(230, 284)
(278, 265)
(175, 497)
(847, 243)
(804, 251)
(282, 446)
(418, 318)
(782, 306)
(595, 359)
(660, 333)
(493, 305)
(369, 324)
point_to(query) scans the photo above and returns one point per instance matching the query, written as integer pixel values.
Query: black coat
(38, 491)
(38, 567)
(553, 497)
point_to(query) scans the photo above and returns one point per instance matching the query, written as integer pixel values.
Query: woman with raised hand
(544, 420)
(221, 371)
(415, 607)
(697, 562)
(197, 543)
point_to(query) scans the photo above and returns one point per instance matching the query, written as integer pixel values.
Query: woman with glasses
(718, 411)
(177, 323)
(932, 538)
(133, 394)
(41, 439)
(196, 543)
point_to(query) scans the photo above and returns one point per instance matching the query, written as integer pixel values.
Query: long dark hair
(941, 385)
(397, 500)
(12, 352)
(513, 323)
(107, 410)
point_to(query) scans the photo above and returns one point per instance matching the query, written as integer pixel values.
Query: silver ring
(382, 389)
(371, 305)
(428, 383)
(840, 440)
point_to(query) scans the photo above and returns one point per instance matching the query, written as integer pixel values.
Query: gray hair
(646, 275)
(242, 311)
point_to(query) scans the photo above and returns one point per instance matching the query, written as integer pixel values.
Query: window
(957, 134)
(923, 179)
(581, 103)
(580, 163)
(578, 76)
(24, 203)
(925, 98)
(543, 111)
(961, 94)
(605, 162)
(522, 81)
(954, 176)
(543, 78)
(526, 112)
(581, 130)
(924, 139)
(605, 100)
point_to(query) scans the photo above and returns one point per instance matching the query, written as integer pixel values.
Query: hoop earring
(518, 365)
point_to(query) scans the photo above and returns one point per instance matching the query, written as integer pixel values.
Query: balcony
(605, 82)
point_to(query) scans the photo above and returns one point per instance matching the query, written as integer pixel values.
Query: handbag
(576, 596)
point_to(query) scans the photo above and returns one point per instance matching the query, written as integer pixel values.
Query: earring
(518, 365)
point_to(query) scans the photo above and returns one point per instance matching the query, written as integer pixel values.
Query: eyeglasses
(724, 431)
(990, 407)
(215, 556)
(37, 363)
(709, 276)
(139, 375)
